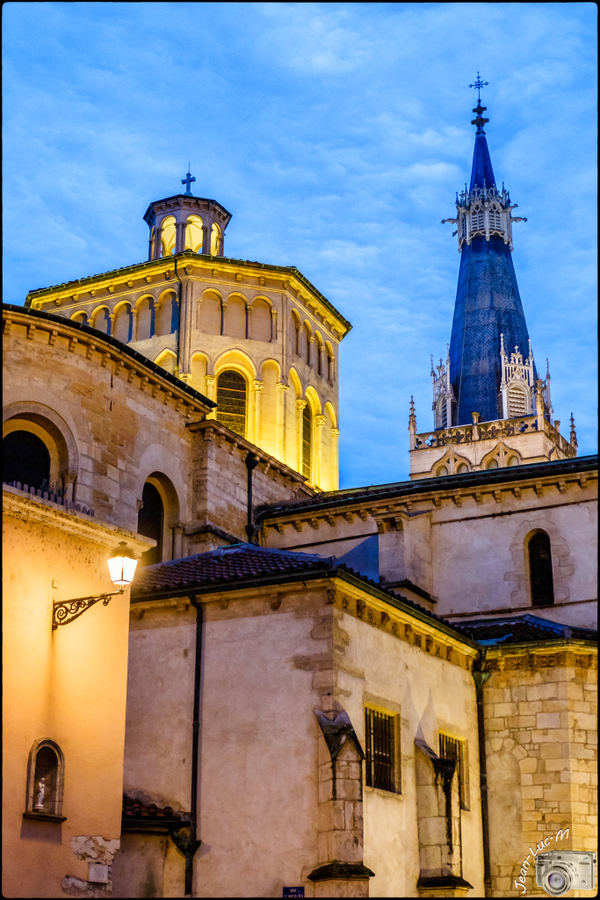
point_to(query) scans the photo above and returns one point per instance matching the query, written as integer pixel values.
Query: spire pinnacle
(478, 83)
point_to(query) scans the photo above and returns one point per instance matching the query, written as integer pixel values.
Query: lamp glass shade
(122, 565)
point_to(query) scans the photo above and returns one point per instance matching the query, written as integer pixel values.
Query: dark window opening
(306, 441)
(25, 458)
(540, 570)
(231, 401)
(380, 750)
(150, 523)
(452, 748)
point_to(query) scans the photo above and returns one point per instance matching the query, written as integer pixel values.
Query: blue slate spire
(487, 298)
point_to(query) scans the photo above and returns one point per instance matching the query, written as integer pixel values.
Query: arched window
(306, 441)
(80, 317)
(231, 401)
(462, 468)
(45, 780)
(492, 464)
(443, 470)
(25, 458)
(166, 315)
(145, 319)
(167, 235)
(512, 461)
(540, 570)
(102, 320)
(150, 523)
(122, 324)
(194, 234)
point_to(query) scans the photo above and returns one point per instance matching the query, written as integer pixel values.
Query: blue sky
(337, 135)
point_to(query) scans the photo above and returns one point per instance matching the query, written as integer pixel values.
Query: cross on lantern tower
(187, 181)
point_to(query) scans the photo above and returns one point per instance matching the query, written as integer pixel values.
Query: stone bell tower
(491, 408)
(185, 222)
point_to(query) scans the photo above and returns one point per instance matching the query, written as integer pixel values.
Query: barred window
(454, 748)
(231, 401)
(306, 441)
(381, 750)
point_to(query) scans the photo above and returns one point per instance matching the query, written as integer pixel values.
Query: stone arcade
(384, 691)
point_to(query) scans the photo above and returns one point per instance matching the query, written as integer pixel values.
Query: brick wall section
(540, 719)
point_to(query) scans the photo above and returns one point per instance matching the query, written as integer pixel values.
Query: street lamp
(121, 565)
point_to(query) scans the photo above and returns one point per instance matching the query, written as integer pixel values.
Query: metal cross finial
(479, 84)
(188, 180)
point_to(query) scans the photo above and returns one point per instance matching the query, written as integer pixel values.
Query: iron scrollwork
(67, 611)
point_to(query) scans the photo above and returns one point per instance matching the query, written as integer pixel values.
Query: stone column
(185, 329)
(248, 312)
(475, 416)
(258, 388)
(180, 237)
(178, 532)
(335, 470)
(282, 390)
(157, 245)
(206, 237)
(300, 406)
(318, 448)
(273, 324)
(209, 380)
(223, 313)
(68, 477)
(150, 244)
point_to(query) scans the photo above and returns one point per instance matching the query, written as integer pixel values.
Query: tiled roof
(135, 809)
(246, 564)
(329, 499)
(239, 562)
(523, 629)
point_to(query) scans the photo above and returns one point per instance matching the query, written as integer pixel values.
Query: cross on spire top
(187, 181)
(478, 83)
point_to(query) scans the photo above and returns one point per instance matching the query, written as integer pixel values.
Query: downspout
(251, 464)
(480, 679)
(189, 845)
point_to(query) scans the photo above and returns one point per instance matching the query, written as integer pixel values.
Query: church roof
(347, 496)
(244, 565)
(523, 629)
(101, 337)
(238, 562)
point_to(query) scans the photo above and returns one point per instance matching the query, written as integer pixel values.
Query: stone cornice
(124, 360)
(558, 653)
(390, 510)
(43, 512)
(140, 275)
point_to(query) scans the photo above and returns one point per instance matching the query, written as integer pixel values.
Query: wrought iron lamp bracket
(66, 611)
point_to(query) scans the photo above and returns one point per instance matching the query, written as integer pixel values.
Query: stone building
(385, 690)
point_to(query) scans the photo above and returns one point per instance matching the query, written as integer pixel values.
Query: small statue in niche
(40, 794)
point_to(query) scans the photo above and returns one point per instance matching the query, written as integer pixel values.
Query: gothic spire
(487, 298)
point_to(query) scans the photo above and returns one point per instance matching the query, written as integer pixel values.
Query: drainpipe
(251, 463)
(480, 679)
(189, 845)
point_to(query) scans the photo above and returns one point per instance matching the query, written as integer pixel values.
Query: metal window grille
(381, 751)
(306, 441)
(231, 401)
(452, 748)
